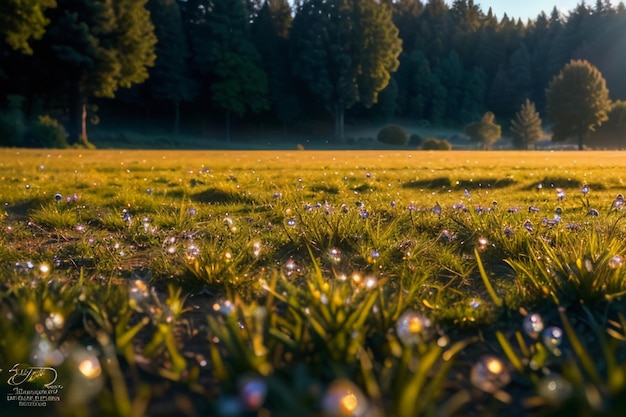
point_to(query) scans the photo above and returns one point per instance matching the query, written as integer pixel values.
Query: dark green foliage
(46, 132)
(270, 34)
(415, 140)
(393, 135)
(169, 78)
(296, 62)
(344, 51)
(225, 56)
(484, 131)
(12, 122)
(23, 21)
(578, 101)
(92, 50)
(9, 131)
(526, 127)
(614, 129)
(434, 144)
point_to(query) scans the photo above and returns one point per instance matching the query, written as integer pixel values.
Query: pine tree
(345, 52)
(526, 127)
(226, 58)
(169, 78)
(578, 101)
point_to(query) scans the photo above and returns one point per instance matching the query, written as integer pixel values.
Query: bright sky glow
(526, 9)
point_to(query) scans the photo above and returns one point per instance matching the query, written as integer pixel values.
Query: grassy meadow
(312, 283)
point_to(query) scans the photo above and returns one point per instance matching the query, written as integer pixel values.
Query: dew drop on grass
(615, 262)
(334, 256)
(552, 337)
(344, 399)
(58, 197)
(489, 374)
(585, 189)
(474, 303)
(54, 321)
(412, 328)
(149, 191)
(44, 353)
(533, 325)
(555, 388)
(291, 222)
(290, 268)
(370, 282)
(483, 242)
(252, 393)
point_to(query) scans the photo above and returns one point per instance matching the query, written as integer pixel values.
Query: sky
(526, 9)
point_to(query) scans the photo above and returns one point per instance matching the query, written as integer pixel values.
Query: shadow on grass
(564, 182)
(219, 196)
(445, 182)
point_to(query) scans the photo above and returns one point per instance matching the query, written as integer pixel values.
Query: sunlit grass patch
(317, 283)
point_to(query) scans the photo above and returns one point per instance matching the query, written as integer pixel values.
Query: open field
(312, 283)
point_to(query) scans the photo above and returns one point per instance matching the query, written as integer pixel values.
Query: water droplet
(533, 325)
(192, 252)
(474, 303)
(252, 393)
(344, 399)
(90, 367)
(555, 388)
(224, 307)
(490, 374)
(393, 203)
(54, 321)
(437, 209)
(560, 194)
(593, 213)
(585, 189)
(528, 226)
(552, 338)
(370, 282)
(615, 262)
(290, 268)
(618, 203)
(483, 242)
(334, 256)
(291, 222)
(412, 328)
(149, 191)
(58, 197)
(28, 186)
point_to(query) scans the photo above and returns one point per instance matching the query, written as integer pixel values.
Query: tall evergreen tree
(345, 51)
(23, 21)
(526, 127)
(169, 78)
(578, 101)
(226, 57)
(270, 33)
(94, 48)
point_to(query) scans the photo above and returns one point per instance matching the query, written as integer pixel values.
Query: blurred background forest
(249, 69)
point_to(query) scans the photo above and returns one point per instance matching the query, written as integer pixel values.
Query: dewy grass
(316, 283)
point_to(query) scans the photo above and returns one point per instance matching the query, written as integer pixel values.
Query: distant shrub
(393, 135)
(415, 140)
(48, 133)
(433, 144)
(10, 131)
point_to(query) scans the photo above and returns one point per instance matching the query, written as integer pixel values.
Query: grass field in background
(318, 283)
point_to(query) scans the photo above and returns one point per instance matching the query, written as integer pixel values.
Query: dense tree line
(207, 63)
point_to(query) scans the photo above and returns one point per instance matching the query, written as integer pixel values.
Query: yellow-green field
(318, 283)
